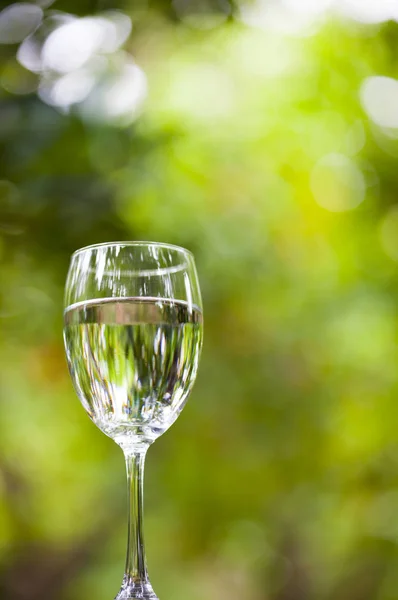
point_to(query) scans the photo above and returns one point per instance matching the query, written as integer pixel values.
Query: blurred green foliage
(280, 479)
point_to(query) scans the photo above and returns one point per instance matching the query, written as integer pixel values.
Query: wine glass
(133, 336)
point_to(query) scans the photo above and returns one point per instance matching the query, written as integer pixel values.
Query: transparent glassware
(133, 331)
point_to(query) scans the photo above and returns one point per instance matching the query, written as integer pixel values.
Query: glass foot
(131, 590)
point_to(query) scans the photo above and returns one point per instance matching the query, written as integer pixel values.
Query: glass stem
(136, 570)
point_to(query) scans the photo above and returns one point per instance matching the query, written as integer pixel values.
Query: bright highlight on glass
(133, 336)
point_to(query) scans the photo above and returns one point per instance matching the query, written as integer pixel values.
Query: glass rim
(133, 243)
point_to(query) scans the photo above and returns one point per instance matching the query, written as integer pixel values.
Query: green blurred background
(263, 136)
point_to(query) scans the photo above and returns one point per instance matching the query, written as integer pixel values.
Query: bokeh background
(263, 136)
